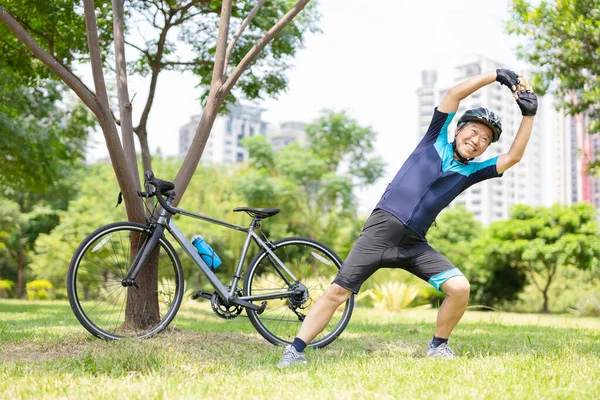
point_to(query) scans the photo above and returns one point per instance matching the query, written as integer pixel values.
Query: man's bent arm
(453, 97)
(517, 149)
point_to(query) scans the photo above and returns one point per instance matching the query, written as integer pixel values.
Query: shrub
(60, 294)
(40, 289)
(6, 288)
(588, 306)
(393, 296)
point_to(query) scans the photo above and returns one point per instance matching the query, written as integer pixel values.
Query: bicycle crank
(224, 310)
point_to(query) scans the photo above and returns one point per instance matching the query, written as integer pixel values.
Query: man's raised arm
(453, 97)
(527, 101)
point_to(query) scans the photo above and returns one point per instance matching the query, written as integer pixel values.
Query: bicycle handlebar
(161, 188)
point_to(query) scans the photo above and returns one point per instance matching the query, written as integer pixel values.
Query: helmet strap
(462, 159)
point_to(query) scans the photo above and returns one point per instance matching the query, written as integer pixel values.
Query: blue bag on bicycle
(206, 252)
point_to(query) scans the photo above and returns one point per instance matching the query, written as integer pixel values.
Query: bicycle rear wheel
(315, 265)
(105, 307)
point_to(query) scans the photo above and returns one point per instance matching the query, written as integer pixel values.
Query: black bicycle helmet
(486, 117)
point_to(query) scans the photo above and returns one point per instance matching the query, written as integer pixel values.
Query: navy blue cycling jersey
(431, 178)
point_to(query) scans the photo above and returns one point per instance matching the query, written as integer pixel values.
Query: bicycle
(281, 282)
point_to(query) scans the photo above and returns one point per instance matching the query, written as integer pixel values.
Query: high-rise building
(287, 133)
(223, 146)
(524, 183)
(574, 149)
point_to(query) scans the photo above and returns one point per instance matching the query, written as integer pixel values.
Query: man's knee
(337, 294)
(457, 287)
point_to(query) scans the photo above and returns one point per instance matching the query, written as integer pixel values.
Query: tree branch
(125, 107)
(261, 44)
(52, 63)
(154, 79)
(95, 55)
(217, 78)
(172, 63)
(145, 52)
(532, 276)
(239, 32)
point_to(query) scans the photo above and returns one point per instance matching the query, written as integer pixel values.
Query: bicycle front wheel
(315, 266)
(101, 303)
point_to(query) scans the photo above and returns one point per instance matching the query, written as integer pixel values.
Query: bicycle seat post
(256, 223)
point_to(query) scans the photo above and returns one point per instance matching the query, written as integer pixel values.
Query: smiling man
(434, 174)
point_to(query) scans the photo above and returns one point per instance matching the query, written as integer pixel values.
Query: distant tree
(43, 136)
(18, 233)
(539, 241)
(562, 42)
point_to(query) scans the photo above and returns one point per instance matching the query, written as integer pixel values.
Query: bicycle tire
(95, 273)
(261, 275)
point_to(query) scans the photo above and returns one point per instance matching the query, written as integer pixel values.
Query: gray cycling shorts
(385, 242)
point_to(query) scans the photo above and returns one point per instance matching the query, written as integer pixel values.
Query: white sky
(368, 60)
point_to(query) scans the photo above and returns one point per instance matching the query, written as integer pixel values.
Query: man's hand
(508, 78)
(526, 99)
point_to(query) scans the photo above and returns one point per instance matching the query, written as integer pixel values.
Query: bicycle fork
(142, 256)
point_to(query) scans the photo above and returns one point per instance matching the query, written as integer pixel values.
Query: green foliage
(6, 288)
(562, 42)
(58, 26)
(336, 139)
(94, 208)
(452, 234)
(43, 136)
(39, 289)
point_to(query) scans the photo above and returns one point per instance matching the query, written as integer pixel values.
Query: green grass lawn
(45, 353)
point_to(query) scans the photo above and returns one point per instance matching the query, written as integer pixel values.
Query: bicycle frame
(164, 222)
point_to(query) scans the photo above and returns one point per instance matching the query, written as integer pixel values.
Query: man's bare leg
(317, 319)
(321, 312)
(453, 307)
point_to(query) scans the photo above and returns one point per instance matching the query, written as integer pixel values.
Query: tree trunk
(21, 264)
(142, 310)
(545, 308)
(143, 138)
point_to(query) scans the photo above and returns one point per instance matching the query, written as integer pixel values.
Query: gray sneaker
(290, 357)
(442, 351)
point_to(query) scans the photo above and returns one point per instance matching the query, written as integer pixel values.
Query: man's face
(472, 139)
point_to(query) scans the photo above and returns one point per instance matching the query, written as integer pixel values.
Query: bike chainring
(224, 310)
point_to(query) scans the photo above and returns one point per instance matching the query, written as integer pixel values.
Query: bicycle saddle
(258, 212)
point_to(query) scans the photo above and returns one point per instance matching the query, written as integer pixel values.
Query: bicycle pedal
(202, 294)
(262, 308)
